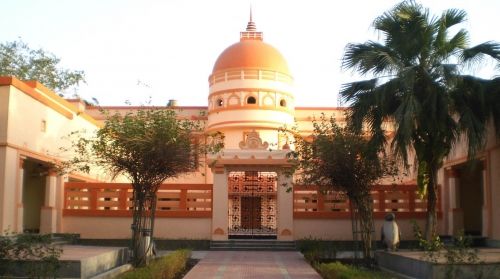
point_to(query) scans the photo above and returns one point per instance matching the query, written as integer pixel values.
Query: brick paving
(252, 264)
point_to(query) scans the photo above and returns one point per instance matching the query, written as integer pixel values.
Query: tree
(337, 158)
(419, 84)
(17, 59)
(148, 146)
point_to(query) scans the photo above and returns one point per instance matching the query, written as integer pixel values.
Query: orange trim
(321, 108)
(347, 215)
(94, 188)
(99, 185)
(25, 154)
(64, 109)
(239, 127)
(51, 94)
(310, 119)
(261, 162)
(245, 121)
(128, 213)
(152, 107)
(31, 154)
(47, 97)
(90, 119)
(251, 107)
(383, 193)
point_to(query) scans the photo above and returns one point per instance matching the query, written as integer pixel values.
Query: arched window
(283, 103)
(220, 102)
(251, 100)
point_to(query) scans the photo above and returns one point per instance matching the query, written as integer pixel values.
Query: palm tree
(417, 82)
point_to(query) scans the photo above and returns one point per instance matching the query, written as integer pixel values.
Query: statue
(391, 235)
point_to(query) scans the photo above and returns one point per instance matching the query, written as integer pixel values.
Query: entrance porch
(250, 198)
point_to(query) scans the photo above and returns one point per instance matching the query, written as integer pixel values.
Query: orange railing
(115, 200)
(403, 200)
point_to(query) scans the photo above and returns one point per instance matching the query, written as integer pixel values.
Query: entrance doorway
(471, 198)
(252, 204)
(35, 176)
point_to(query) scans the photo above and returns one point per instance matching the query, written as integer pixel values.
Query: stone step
(253, 245)
(77, 261)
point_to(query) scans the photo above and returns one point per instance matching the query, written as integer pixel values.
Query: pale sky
(171, 45)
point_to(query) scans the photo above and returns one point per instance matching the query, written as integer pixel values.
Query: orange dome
(251, 54)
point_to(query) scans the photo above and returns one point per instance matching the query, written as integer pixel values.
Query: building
(241, 195)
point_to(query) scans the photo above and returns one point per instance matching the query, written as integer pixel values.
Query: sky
(135, 51)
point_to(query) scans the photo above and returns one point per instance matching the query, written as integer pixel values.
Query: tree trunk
(431, 224)
(142, 227)
(363, 206)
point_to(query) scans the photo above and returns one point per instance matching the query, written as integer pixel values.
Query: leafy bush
(315, 249)
(30, 255)
(168, 267)
(337, 270)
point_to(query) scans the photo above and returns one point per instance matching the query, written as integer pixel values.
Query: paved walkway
(251, 264)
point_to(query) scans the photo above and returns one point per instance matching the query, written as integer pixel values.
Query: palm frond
(476, 54)
(370, 57)
(452, 17)
(472, 107)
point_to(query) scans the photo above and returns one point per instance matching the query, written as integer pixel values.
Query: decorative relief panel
(252, 140)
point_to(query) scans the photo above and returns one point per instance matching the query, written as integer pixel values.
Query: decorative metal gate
(252, 204)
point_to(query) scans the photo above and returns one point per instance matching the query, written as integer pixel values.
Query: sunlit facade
(243, 192)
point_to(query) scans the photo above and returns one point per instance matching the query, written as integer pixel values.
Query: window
(251, 100)
(220, 102)
(283, 103)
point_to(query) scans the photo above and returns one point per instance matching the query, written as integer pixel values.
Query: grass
(337, 270)
(171, 266)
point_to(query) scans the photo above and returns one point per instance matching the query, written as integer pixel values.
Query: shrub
(168, 267)
(337, 270)
(315, 249)
(30, 255)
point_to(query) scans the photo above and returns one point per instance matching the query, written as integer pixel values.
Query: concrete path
(251, 264)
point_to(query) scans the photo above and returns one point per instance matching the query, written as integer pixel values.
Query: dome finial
(251, 27)
(251, 32)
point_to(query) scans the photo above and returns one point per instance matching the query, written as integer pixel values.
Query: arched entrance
(252, 206)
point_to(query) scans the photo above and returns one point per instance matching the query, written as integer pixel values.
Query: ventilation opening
(251, 100)
(220, 103)
(283, 103)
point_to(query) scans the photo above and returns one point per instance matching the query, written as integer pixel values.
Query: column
(455, 214)
(285, 208)
(219, 204)
(61, 181)
(19, 200)
(48, 212)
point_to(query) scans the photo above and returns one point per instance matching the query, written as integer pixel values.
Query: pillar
(59, 206)
(9, 167)
(19, 197)
(455, 214)
(220, 204)
(285, 208)
(48, 212)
